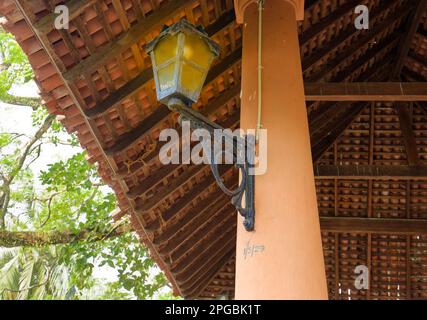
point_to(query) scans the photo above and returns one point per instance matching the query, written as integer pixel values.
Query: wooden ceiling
(369, 156)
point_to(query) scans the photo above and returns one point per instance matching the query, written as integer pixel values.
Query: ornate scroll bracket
(246, 188)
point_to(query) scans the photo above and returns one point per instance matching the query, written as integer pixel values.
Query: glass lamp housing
(181, 57)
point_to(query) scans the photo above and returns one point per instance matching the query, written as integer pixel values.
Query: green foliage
(67, 196)
(15, 66)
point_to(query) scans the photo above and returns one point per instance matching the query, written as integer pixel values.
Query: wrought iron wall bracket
(246, 188)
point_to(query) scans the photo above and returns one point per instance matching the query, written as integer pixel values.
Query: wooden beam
(166, 170)
(384, 46)
(125, 41)
(146, 76)
(422, 106)
(136, 83)
(418, 58)
(413, 21)
(327, 21)
(319, 54)
(326, 111)
(153, 179)
(374, 225)
(130, 138)
(213, 226)
(422, 31)
(355, 47)
(371, 172)
(335, 130)
(412, 76)
(337, 127)
(202, 210)
(161, 113)
(166, 190)
(75, 8)
(408, 135)
(366, 91)
(183, 202)
(375, 91)
(195, 290)
(191, 268)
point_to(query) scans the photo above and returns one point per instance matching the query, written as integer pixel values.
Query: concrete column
(284, 257)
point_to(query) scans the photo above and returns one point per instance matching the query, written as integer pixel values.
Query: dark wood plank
(132, 36)
(215, 225)
(413, 23)
(195, 290)
(366, 91)
(165, 191)
(408, 135)
(75, 8)
(335, 130)
(365, 39)
(160, 115)
(374, 225)
(202, 211)
(370, 172)
(191, 266)
(329, 19)
(319, 54)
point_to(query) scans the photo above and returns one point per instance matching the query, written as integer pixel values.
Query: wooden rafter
(358, 45)
(408, 135)
(216, 224)
(125, 41)
(413, 21)
(166, 170)
(166, 190)
(146, 76)
(319, 54)
(370, 172)
(75, 8)
(366, 91)
(335, 130)
(210, 274)
(202, 211)
(328, 20)
(162, 112)
(180, 205)
(374, 225)
(318, 117)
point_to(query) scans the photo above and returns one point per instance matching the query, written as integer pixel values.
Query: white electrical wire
(259, 124)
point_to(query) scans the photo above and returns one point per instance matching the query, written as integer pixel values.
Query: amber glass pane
(191, 79)
(166, 77)
(166, 49)
(197, 51)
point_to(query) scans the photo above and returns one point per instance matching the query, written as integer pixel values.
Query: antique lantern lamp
(181, 57)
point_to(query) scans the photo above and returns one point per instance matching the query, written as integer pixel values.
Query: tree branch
(32, 102)
(5, 196)
(37, 136)
(12, 239)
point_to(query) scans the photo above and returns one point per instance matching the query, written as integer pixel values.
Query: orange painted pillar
(283, 257)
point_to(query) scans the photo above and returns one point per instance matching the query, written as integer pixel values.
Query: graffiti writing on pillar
(251, 249)
(362, 20)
